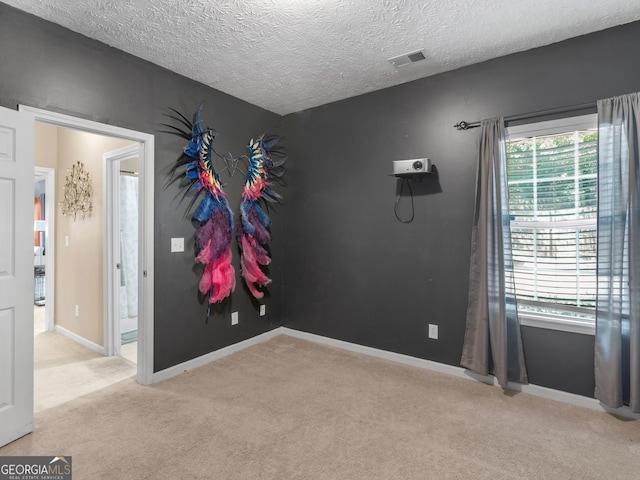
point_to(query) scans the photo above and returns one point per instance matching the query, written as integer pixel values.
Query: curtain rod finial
(462, 125)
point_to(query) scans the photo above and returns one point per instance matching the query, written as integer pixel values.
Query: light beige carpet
(65, 370)
(291, 409)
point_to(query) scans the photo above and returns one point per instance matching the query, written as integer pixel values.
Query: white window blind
(552, 180)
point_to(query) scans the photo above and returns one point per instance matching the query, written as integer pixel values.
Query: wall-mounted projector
(411, 167)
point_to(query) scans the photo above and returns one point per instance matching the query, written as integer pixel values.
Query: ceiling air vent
(407, 58)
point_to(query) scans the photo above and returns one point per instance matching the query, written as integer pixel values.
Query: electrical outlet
(234, 318)
(433, 331)
(177, 244)
(263, 310)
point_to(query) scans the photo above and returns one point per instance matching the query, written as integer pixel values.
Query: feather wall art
(213, 215)
(253, 228)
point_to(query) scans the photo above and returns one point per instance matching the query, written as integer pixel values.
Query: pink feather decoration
(218, 279)
(252, 230)
(253, 256)
(213, 214)
(213, 238)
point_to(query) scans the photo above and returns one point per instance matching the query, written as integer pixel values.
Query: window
(552, 179)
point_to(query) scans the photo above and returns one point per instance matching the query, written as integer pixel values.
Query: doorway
(44, 243)
(122, 168)
(145, 144)
(73, 348)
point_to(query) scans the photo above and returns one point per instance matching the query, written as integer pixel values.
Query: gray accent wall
(49, 67)
(354, 272)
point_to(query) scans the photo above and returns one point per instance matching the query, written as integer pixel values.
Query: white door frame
(49, 175)
(111, 202)
(146, 226)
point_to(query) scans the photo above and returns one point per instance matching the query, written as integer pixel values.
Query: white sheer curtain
(492, 342)
(617, 349)
(128, 246)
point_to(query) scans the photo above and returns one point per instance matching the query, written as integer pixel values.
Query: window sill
(584, 327)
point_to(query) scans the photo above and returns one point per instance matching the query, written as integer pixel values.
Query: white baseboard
(536, 390)
(375, 352)
(212, 356)
(81, 340)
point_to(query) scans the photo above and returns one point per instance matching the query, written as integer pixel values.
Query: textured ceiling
(289, 55)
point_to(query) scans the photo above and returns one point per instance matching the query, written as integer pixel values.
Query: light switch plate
(177, 244)
(433, 331)
(234, 318)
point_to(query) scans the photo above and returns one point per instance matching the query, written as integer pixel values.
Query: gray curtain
(617, 348)
(492, 342)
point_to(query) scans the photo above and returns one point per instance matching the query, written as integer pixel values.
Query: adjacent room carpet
(292, 409)
(65, 370)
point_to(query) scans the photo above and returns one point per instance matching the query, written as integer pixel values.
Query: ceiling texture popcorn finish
(289, 55)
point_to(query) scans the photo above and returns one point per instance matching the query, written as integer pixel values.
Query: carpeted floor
(292, 409)
(64, 369)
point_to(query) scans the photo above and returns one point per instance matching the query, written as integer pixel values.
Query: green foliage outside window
(552, 202)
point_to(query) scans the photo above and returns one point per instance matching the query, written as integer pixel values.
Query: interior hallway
(65, 370)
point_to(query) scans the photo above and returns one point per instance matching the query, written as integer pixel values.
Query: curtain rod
(462, 125)
(127, 172)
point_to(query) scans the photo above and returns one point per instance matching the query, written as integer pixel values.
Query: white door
(16, 274)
